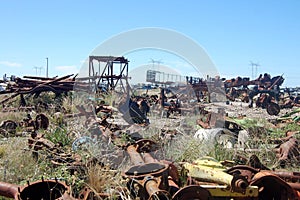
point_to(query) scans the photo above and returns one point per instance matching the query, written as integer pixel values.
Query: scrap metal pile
(117, 130)
(31, 85)
(263, 92)
(149, 177)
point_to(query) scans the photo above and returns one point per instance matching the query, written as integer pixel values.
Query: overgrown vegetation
(18, 165)
(59, 135)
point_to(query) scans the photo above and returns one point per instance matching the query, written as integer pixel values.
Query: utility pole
(155, 61)
(36, 68)
(40, 69)
(47, 68)
(254, 71)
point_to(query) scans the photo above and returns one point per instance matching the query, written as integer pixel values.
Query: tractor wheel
(273, 108)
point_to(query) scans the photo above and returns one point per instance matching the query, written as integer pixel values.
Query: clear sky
(233, 33)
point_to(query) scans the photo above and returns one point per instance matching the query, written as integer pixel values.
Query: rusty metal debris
(266, 88)
(56, 155)
(149, 177)
(87, 194)
(44, 189)
(271, 184)
(36, 85)
(8, 127)
(288, 150)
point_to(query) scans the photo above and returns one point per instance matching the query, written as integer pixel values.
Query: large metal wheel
(273, 108)
(192, 192)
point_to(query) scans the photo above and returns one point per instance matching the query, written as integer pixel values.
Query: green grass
(59, 135)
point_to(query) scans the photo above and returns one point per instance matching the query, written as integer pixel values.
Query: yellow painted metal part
(209, 174)
(212, 171)
(209, 162)
(224, 191)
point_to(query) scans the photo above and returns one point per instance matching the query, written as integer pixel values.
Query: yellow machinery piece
(211, 171)
(224, 191)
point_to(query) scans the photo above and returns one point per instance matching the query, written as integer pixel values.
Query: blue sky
(232, 32)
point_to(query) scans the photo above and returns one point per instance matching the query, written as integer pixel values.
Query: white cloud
(10, 64)
(67, 69)
(84, 61)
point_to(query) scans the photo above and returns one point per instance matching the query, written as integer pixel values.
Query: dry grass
(17, 165)
(15, 116)
(101, 178)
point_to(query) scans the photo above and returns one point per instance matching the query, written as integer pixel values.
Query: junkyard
(99, 137)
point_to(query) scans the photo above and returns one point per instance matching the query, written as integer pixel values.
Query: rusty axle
(147, 173)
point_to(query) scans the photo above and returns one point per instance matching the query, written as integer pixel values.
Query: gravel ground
(239, 109)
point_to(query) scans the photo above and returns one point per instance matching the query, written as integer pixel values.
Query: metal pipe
(215, 175)
(150, 184)
(295, 186)
(148, 158)
(288, 176)
(135, 157)
(8, 190)
(154, 192)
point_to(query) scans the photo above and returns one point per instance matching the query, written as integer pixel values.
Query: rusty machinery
(152, 179)
(266, 87)
(147, 179)
(272, 184)
(209, 89)
(240, 182)
(199, 86)
(214, 182)
(106, 76)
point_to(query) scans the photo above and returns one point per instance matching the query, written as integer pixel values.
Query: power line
(254, 69)
(37, 69)
(47, 67)
(158, 62)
